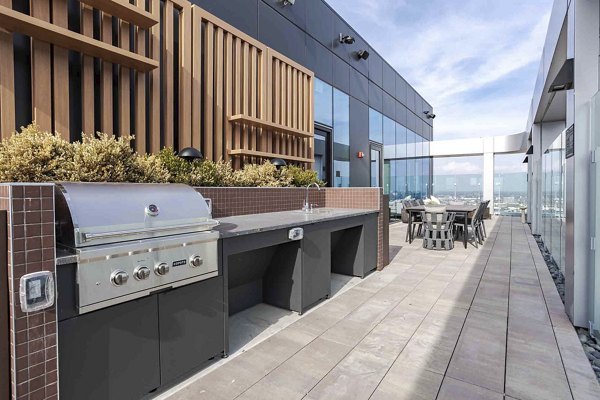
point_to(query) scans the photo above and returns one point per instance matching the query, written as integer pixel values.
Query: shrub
(198, 172)
(261, 175)
(33, 155)
(302, 177)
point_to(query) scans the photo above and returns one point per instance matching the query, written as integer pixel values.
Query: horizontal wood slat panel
(271, 126)
(262, 154)
(15, 21)
(124, 11)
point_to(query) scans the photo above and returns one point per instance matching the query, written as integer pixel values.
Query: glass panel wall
(341, 139)
(375, 126)
(458, 180)
(389, 138)
(553, 200)
(323, 103)
(510, 184)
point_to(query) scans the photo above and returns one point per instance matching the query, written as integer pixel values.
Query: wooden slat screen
(165, 71)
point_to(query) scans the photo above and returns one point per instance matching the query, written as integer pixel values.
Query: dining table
(463, 210)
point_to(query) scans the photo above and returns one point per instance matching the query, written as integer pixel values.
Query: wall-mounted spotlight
(362, 54)
(288, 2)
(429, 114)
(346, 39)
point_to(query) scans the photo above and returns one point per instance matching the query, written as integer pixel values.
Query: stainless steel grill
(134, 239)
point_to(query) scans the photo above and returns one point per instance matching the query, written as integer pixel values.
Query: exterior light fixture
(346, 39)
(362, 54)
(564, 79)
(190, 154)
(288, 2)
(278, 163)
(429, 114)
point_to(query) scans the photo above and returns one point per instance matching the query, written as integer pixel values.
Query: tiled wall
(239, 201)
(30, 248)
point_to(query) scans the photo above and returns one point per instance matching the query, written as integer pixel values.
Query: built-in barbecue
(133, 239)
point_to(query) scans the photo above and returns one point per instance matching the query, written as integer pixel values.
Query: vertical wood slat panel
(87, 74)
(237, 105)
(168, 74)
(41, 80)
(124, 98)
(218, 109)
(208, 90)
(254, 132)
(294, 124)
(229, 94)
(61, 73)
(106, 109)
(245, 89)
(196, 83)
(7, 81)
(140, 88)
(154, 87)
(276, 102)
(185, 76)
(288, 107)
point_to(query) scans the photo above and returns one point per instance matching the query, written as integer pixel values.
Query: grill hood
(90, 214)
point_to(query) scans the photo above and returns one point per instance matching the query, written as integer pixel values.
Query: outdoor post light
(278, 163)
(190, 154)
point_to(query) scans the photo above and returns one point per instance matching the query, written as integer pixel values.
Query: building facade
(563, 134)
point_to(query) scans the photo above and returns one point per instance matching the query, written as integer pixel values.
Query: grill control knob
(196, 261)
(119, 277)
(141, 273)
(161, 269)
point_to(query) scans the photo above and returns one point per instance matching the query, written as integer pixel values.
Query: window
(389, 138)
(341, 139)
(323, 103)
(510, 184)
(410, 143)
(400, 141)
(375, 126)
(458, 180)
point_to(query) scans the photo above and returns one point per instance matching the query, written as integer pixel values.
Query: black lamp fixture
(362, 54)
(288, 2)
(346, 39)
(278, 163)
(564, 79)
(190, 154)
(429, 114)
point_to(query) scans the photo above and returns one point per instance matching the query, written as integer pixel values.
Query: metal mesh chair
(438, 233)
(476, 224)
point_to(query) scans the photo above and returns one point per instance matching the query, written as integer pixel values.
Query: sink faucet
(306, 207)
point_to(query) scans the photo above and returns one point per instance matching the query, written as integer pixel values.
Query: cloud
(455, 53)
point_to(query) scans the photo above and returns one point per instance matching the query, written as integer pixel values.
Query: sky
(474, 61)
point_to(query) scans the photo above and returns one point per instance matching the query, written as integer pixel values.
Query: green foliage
(33, 155)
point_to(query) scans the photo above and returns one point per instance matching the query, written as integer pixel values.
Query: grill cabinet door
(111, 353)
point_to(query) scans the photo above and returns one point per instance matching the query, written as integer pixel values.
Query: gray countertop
(254, 223)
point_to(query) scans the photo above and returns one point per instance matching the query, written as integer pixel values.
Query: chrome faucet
(308, 207)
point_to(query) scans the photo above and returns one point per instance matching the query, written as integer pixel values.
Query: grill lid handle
(88, 237)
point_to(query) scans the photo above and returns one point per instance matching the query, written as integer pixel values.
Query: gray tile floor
(483, 323)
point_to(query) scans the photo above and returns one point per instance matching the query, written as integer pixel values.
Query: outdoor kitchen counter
(255, 223)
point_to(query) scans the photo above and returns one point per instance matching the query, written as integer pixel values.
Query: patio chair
(438, 231)
(475, 222)
(421, 202)
(417, 222)
(487, 203)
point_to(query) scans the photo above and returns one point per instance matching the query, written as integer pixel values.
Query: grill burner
(134, 239)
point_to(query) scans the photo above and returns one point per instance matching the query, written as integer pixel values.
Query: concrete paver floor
(476, 323)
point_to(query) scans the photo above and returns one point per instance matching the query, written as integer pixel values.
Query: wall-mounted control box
(36, 291)
(296, 234)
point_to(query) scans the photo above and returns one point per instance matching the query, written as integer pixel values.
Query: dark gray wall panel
(319, 60)
(277, 32)
(295, 13)
(411, 121)
(319, 22)
(359, 141)
(347, 52)
(389, 106)
(359, 86)
(419, 106)
(410, 98)
(400, 113)
(375, 68)
(375, 97)
(243, 14)
(401, 87)
(389, 79)
(341, 74)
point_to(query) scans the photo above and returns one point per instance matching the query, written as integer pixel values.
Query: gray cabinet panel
(370, 240)
(279, 33)
(316, 271)
(191, 327)
(112, 353)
